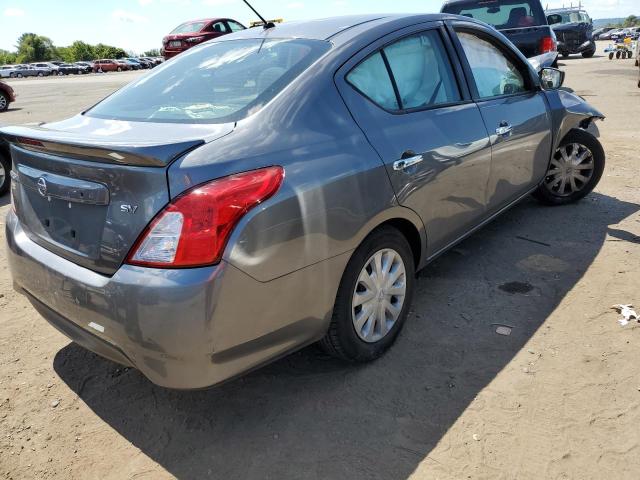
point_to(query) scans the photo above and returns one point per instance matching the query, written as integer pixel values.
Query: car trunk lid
(86, 188)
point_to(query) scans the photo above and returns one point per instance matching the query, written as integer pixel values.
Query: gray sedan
(280, 187)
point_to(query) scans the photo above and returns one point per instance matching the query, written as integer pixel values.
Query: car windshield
(189, 27)
(574, 17)
(214, 83)
(500, 14)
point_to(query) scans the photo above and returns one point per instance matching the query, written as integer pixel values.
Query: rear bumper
(565, 49)
(184, 329)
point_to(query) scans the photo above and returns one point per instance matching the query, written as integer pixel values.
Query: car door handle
(504, 129)
(407, 162)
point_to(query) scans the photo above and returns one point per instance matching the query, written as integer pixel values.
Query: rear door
(410, 100)
(514, 111)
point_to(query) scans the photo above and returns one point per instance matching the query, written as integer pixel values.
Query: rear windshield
(500, 14)
(572, 17)
(191, 27)
(214, 83)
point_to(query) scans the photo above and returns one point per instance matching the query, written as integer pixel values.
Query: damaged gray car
(280, 187)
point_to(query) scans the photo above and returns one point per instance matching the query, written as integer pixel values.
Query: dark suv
(521, 21)
(194, 32)
(574, 31)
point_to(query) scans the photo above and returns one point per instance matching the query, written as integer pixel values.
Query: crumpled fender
(568, 111)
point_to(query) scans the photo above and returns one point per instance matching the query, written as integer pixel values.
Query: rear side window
(213, 83)
(412, 73)
(500, 13)
(372, 79)
(494, 74)
(422, 71)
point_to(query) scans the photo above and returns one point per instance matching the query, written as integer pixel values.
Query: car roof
(339, 29)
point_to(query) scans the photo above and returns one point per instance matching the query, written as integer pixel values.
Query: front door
(410, 101)
(515, 114)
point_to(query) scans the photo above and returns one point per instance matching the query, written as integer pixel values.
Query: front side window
(371, 78)
(494, 74)
(213, 83)
(422, 71)
(234, 26)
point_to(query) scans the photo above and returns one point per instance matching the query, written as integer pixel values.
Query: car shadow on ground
(310, 416)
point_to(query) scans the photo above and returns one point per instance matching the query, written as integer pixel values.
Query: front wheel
(575, 169)
(373, 298)
(589, 53)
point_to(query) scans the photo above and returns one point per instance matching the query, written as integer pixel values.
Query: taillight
(548, 44)
(193, 229)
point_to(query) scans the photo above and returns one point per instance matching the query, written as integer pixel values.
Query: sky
(139, 25)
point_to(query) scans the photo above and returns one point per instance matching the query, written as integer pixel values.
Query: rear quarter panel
(335, 191)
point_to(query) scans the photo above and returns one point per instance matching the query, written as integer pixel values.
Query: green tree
(35, 48)
(631, 21)
(81, 51)
(154, 52)
(7, 57)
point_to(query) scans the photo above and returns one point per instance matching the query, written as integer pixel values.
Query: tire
(19, 75)
(5, 178)
(610, 55)
(119, 69)
(576, 144)
(4, 102)
(12, 75)
(588, 53)
(40, 74)
(565, 55)
(370, 341)
(618, 54)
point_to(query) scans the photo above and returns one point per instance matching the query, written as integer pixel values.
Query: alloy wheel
(379, 295)
(571, 168)
(3, 105)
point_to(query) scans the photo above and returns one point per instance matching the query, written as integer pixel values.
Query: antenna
(265, 24)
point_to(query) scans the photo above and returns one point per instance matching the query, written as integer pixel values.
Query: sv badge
(130, 209)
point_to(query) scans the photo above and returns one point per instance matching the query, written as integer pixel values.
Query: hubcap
(571, 169)
(3, 102)
(379, 295)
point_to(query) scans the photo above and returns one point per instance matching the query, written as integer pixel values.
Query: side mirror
(553, 19)
(551, 78)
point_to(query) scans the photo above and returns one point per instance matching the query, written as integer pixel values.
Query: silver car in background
(280, 187)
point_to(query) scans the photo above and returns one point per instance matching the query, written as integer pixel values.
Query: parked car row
(609, 33)
(45, 69)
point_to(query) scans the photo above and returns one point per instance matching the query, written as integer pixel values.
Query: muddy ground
(557, 399)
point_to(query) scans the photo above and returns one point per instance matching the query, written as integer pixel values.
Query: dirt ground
(557, 399)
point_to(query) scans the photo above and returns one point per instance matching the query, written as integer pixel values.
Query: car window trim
(484, 34)
(463, 88)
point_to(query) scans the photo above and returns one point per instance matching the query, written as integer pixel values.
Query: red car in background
(109, 65)
(194, 32)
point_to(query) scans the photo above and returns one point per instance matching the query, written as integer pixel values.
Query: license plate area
(175, 43)
(64, 212)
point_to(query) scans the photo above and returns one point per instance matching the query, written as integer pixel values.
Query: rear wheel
(565, 55)
(373, 298)
(4, 102)
(575, 169)
(610, 55)
(618, 54)
(119, 69)
(589, 53)
(19, 75)
(5, 179)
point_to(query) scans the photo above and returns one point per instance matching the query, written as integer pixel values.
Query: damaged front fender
(569, 111)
